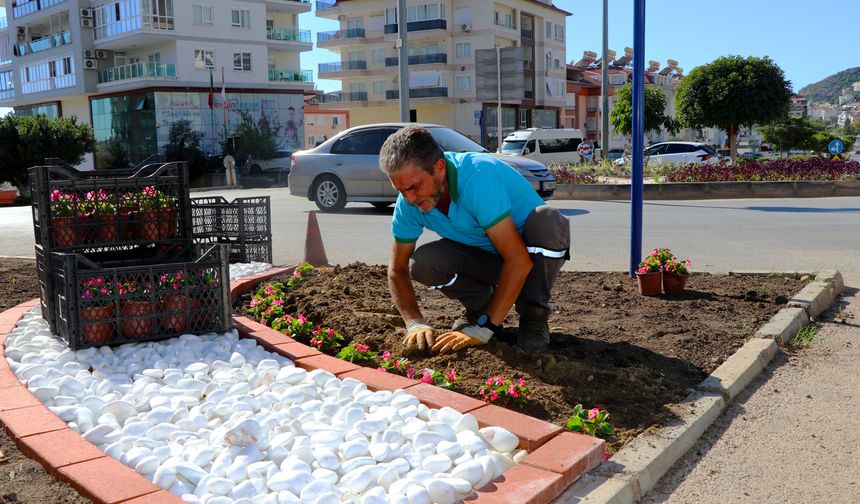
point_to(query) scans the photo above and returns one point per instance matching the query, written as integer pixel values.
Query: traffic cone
(314, 248)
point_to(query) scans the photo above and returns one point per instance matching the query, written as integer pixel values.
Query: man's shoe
(468, 318)
(533, 335)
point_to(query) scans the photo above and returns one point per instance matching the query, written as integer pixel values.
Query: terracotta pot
(173, 313)
(674, 283)
(100, 329)
(167, 222)
(65, 231)
(202, 313)
(127, 218)
(107, 228)
(650, 284)
(137, 317)
(147, 225)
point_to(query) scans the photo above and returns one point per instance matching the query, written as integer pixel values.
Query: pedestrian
(585, 152)
(501, 244)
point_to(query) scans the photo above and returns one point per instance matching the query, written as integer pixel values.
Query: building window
(463, 49)
(242, 61)
(557, 63)
(378, 55)
(355, 24)
(204, 59)
(67, 65)
(547, 29)
(334, 119)
(379, 87)
(463, 83)
(559, 32)
(310, 140)
(425, 12)
(617, 79)
(391, 15)
(240, 18)
(202, 14)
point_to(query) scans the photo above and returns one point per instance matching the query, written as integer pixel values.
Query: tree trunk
(733, 141)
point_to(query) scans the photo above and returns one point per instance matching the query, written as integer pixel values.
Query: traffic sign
(835, 146)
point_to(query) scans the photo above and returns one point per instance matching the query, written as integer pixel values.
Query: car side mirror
(526, 151)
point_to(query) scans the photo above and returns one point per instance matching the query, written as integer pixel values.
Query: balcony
(289, 35)
(528, 65)
(26, 8)
(7, 94)
(420, 59)
(43, 43)
(48, 84)
(138, 71)
(330, 38)
(325, 4)
(527, 34)
(414, 26)
(298, 5)
(4, 23)
(428, 92)
(289, 75)
(134, 24)
(342, 66)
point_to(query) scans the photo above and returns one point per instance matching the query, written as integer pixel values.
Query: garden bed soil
(23, 480)
(611, 347)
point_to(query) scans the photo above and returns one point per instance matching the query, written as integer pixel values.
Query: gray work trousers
(469, 274)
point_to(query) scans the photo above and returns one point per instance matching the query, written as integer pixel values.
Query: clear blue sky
(808, 40)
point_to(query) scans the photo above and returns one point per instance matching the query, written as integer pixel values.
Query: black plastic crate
(108, 302)
(140, 211)
(245, 224)
(43, 274)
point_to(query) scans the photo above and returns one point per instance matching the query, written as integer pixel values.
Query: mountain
(829, 88)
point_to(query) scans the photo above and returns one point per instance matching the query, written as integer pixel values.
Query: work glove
(466, 337)
(418, 334)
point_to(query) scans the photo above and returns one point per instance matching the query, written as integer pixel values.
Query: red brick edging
(555, 460)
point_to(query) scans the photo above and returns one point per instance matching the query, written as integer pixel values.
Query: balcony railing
(512, 25)
(325, 4)
(289, 35)
(528, 65)
(141, 70)
(134, 23)
(340, 66)
(4, 22)
(428, 92)
(527, 34)
(340, 34)
(44, 43)
(42, 85)
(26, 8)
(289, 75)
(6, 94)
(429, 24)
(420, 59)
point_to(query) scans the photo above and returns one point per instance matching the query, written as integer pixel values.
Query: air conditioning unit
(22, 31)
(86, 22)
(463, 68)
(101, 54)
(341, 17)
(466, 27)
(89, 53)
(91, 64)
(86, 13)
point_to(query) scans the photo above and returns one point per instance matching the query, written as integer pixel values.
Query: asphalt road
(716, 235)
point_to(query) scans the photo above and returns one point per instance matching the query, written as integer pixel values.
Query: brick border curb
(637, 468)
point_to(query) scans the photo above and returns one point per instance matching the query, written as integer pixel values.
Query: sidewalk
(793, 435)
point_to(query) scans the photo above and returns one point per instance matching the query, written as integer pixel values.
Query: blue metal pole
(638, 135)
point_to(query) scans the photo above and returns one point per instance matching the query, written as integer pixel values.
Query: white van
(545, 145)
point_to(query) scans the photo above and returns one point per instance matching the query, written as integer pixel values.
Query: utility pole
(403, 56)
(499, 96)
(636, 188)
(604, 85)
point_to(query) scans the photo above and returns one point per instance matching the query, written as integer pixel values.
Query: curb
(636, 469)
(556, 458)
(711, 190)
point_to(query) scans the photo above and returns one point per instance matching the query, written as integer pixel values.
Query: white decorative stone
(500, 439)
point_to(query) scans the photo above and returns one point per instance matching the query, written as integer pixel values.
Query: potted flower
(172, 301)
(157, 215)
(135, 308)
(649, 276)
(97, 310)
(100, 207)
(203, 286)
(64, 218)
(675, 275)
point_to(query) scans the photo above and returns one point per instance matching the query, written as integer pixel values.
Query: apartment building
(322, 124)
(444, 74)
(132, 68)
(799, 106)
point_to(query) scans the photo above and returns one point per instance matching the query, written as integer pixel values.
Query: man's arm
(418, 333)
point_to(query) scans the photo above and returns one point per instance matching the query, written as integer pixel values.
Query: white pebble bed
(217, 419)
(241, 270)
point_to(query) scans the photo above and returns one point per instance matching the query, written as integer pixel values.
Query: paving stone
(741, 368)
(520, 484)
(31, 420)
(569, 454)
(105, 480)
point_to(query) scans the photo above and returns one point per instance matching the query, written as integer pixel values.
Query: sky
(808, 40)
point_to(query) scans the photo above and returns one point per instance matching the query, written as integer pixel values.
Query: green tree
(252, 140)
(184, 145)
(25, 141)
(820, 141)
(112, 154)
(792, 133)
(733, 91)
(655, 111)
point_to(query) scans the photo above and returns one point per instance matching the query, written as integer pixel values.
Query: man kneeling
(500, 242)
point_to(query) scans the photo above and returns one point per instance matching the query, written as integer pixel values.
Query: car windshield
(454, 141)
(513, 146)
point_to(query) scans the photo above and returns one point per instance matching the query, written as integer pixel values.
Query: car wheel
(381, 204)
(255, 169)
(329, 194)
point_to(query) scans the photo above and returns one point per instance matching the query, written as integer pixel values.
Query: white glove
(418, 334)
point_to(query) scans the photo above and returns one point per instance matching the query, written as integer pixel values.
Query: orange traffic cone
(314, 248)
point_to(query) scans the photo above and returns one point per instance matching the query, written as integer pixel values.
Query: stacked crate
(116, 257)
(244, 224)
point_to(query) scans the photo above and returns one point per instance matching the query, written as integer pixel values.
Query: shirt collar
(452, 178)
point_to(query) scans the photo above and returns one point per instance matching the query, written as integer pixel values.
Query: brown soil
(23, 480)
(611, 347)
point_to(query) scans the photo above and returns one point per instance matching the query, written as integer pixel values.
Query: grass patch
(805, 336)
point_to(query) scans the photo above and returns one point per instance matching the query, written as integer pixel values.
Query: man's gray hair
(411, 144)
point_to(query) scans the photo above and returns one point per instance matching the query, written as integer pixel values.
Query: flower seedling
(298, 327)
(591, 422)
(499, 390)
(357, 353)
(326, 340)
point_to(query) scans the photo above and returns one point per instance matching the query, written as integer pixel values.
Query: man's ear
(440, 168)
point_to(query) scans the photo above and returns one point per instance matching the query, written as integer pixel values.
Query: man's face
(419, 187)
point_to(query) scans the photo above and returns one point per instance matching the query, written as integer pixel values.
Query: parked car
(678, 152)
(279, 163)
(750, 155)
(345, 168)
(550, 145)
(614, 154)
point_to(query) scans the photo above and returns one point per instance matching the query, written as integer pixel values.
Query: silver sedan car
(345, 168)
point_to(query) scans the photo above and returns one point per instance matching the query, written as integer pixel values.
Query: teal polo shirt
(484, 191)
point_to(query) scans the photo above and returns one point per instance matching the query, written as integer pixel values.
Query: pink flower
(427, 377)
(490, 382)
(316, 342)
(330, 332)
(302, 319)
(410, 373)
(386, 356)
(253, 303)
(362, 348)
(494, 396)
(512, 391)
(270, 291)
(592, 413)
(450, 375)
(522, 382)
(278, 302)
(499, 380)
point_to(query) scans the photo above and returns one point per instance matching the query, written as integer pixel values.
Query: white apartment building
(133, 67)
(443, 37)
